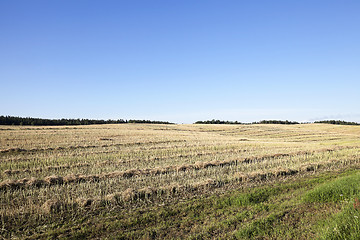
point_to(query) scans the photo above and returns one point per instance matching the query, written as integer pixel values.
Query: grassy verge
(305, 208)
(346, 192)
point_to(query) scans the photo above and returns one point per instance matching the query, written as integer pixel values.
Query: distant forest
(9, 120)
(217, 122)
(338, 122)
(236, 122)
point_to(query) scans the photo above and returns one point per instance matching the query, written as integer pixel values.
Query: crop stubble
(50, 169)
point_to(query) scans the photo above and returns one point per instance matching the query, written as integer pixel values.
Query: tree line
(338, 122)
(276, 122)
(148, 121)
(10, 120)
(217, 122)
(236, 122)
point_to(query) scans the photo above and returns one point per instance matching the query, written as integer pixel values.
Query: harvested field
(53, 173)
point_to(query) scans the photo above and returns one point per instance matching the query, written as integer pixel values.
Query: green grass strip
(336, 190)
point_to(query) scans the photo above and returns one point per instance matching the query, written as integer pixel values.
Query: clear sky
(180, 61)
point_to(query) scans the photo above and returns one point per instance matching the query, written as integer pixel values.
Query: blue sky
(180, 61)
